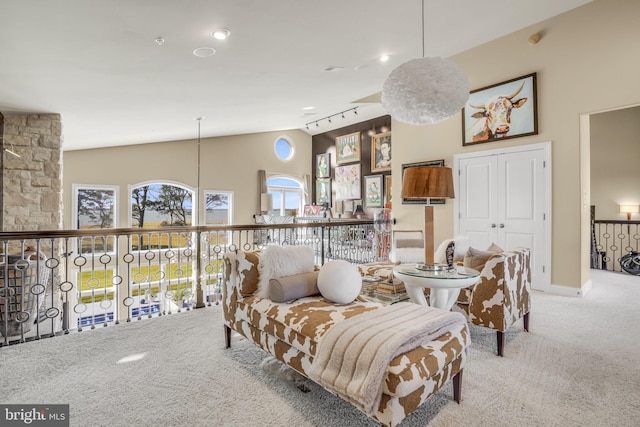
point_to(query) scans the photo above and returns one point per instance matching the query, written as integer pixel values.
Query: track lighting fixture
(331, 117)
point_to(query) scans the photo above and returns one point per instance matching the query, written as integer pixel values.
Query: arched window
(161, 204)
(287, 195)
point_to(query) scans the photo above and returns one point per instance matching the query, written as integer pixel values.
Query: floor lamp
(428, 182)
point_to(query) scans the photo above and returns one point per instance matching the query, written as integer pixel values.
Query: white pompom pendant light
(425, 91)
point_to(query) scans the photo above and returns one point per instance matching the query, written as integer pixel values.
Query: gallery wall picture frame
(348, 206)
(348, 148)
(323, 191)
(381, 152)
(387, 190)
(323, 165)
(373, 191)
(421, 200)
(501, 111)
(347, 181)
(313, 211)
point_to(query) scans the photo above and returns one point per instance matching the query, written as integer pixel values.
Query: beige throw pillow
(288, 288)
(279, 261)
(476, 258)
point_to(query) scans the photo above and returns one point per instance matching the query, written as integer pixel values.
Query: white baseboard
(567, 291)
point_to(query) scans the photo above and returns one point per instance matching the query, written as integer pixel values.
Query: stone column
(32, 183)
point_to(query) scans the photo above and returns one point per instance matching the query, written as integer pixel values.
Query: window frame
(230, 214)
(75, 188)
(292, 147)
(283, 189)
(193, 190)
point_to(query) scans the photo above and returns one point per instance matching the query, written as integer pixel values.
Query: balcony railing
(612, 240)
(57, 281)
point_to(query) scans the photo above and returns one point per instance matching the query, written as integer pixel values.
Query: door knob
(501, 225)
(493, 226)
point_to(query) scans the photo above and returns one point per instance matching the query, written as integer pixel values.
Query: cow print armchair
(502, 295)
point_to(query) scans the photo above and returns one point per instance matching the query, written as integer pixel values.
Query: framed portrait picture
(420, 200)
(381, 152)
(323, 165)
(387, 190)
(501, 111)
(373, 191)
(347, 182)
(348, 148)
(323, 191)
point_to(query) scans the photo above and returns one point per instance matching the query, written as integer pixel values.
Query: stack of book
(391, 288)
(370, 284)
(376, 289)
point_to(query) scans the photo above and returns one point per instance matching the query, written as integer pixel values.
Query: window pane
(96, 208)
(161, 205)
(283, 182)
(291, 202)
(218, 208)
(284, 150)
(277, 202)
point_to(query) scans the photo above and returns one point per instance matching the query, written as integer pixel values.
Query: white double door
(502, 199)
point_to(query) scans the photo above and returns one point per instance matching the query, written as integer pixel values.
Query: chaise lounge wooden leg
(457, 386)
(525, 320)
(227, 336)
(500, 343)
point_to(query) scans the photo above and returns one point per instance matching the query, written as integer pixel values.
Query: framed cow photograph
(501, 111)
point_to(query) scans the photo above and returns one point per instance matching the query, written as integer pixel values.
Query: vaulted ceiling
(286, 63)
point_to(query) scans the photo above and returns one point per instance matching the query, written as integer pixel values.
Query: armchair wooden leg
(525, 320)
(500, 343)
(227, 336)
(457, 386)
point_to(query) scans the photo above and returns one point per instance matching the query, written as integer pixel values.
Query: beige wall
(585, 63)
(227, 163)
(615, 162)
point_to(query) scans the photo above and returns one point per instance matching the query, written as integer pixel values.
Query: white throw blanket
(352, 357)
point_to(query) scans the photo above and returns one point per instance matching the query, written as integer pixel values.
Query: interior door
(478, 202)
(521, 213)
(502, 201)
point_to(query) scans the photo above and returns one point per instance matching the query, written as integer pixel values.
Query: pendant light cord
(423, 28)
(199, 119)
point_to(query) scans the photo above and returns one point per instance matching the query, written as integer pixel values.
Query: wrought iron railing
(57, 281)
(612, 241)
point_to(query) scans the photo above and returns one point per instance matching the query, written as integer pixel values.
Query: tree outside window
(161, 205)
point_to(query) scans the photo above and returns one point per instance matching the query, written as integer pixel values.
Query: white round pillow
(339, 281)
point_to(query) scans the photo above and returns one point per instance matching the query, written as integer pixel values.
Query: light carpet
(579, 366)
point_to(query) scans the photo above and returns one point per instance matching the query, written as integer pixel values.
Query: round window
(284, 149)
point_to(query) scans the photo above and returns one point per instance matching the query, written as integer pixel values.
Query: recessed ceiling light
(384, 58)
(333, 68)
(309, 108)
(203, 52)
(220, 33)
